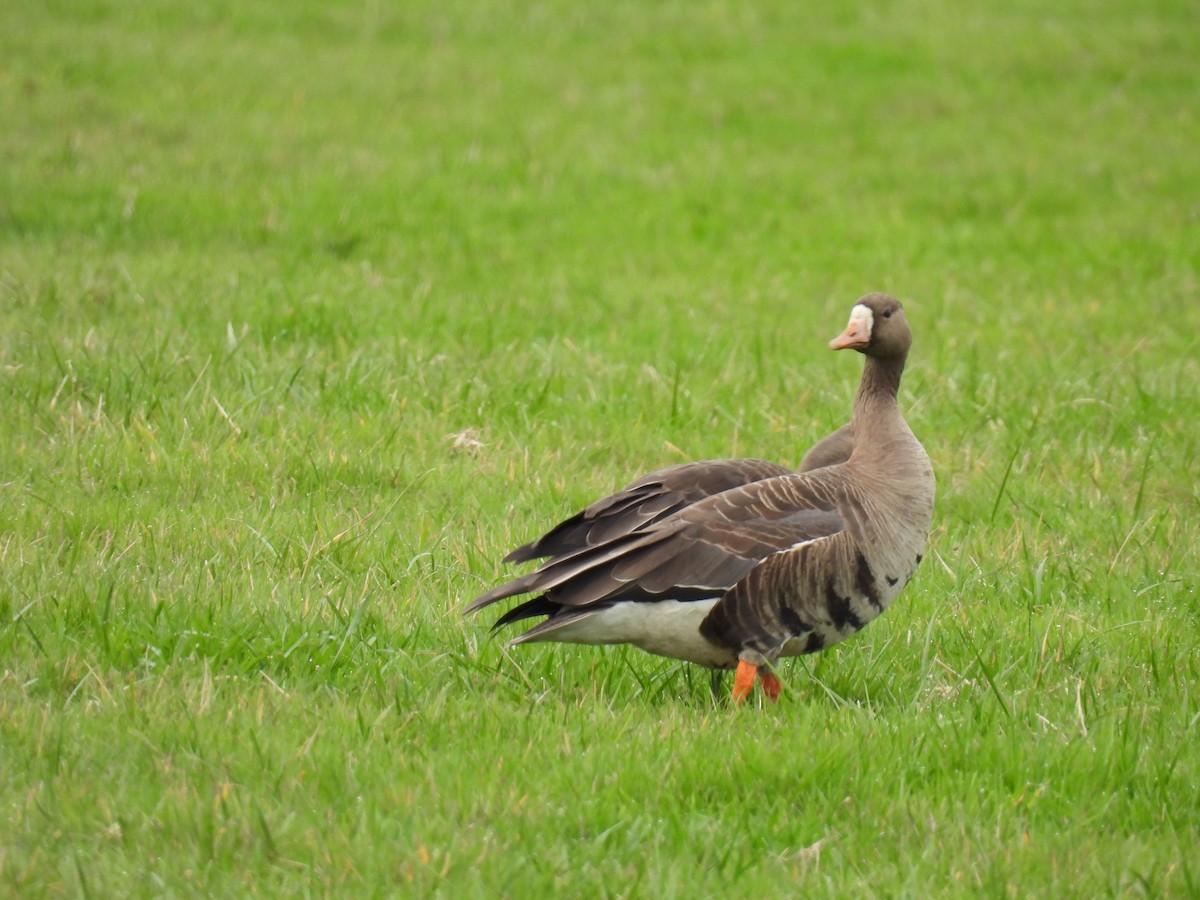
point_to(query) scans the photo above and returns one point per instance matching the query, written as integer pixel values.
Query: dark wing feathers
(560, 569)
(558, 620)
(538, 606)
(666, 534)
(660, 494)
(701, 550)
(654, 497)
(644, 502)
(520, 585)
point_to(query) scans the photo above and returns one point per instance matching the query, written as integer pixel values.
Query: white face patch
(858, 331)
(862, 316)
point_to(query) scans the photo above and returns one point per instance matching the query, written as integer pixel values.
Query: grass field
(261, 262)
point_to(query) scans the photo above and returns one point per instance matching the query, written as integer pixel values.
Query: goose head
(877, 328)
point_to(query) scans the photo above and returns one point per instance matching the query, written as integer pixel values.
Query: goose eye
(887, 314)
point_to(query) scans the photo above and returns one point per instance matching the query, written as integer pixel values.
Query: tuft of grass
(309, 313)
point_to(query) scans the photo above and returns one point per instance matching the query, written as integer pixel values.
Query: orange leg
(743, 681)
(771, 684)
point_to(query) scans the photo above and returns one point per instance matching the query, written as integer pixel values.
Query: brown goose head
(877, 328)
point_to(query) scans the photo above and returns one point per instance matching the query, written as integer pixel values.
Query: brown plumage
(739, 562)
(656, 496)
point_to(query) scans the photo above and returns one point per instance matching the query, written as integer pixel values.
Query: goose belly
(663, 627)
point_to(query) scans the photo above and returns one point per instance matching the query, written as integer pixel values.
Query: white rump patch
(664, 627)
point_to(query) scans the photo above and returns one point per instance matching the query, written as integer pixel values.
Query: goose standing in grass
(736, 563)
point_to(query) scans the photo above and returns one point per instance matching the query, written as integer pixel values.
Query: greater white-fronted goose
(755, 562)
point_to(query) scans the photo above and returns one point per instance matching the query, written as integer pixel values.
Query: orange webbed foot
(743, 681)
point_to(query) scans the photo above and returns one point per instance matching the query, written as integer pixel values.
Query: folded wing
(700, 551)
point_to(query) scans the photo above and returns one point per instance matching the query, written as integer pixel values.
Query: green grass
(258, 264)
